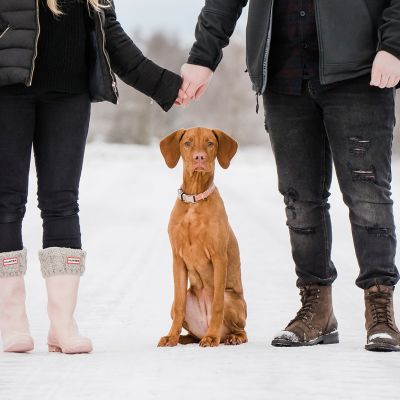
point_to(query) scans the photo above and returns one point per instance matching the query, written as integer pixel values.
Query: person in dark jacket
(327, 72)
(55, 58)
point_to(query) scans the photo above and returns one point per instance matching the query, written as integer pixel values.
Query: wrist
(390, 50)
(201, 63)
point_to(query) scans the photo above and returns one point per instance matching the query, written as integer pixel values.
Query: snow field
(127, 194)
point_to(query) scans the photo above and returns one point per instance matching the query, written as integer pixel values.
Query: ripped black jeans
(352, 125)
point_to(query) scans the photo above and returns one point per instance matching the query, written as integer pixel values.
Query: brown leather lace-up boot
(382, 332)
(314, 323)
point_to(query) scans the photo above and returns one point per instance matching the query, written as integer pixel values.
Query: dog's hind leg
(188, 339)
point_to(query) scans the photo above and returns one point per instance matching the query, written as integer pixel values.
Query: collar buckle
(192, 198)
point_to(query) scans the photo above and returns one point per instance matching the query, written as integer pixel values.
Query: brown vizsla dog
(205, 249)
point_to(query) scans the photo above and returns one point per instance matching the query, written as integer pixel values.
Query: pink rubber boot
(62, 269)
(14, 324)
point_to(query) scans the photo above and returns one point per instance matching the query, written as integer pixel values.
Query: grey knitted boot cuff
(13, 263)
(61, 261)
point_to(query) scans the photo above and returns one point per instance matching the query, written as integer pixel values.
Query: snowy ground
(127, 194)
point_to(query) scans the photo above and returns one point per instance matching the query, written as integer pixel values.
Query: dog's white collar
(194, 198)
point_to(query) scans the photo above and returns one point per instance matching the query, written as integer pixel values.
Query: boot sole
(381, 347)
(78, 349)
(19, 346)
(329, 338)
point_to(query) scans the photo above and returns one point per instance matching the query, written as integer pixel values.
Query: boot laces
(309, 297)
(380, 308)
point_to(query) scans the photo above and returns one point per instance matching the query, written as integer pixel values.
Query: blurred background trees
(229, 104)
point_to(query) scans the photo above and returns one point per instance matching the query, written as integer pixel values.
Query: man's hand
(385, 70)
(195, 82)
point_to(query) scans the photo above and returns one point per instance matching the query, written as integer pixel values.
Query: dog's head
(198, 147)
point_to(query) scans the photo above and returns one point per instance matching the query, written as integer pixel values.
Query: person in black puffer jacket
(55, 59)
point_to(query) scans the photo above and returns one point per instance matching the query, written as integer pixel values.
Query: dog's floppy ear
(227, 148)
(170, 148)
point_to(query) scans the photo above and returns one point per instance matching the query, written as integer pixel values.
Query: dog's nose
(199, 156)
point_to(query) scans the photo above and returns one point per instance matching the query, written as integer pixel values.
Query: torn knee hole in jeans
(304, 231)
(290, 198)
(358, 146)
(358, 152)
(381, 232)
(364, 175)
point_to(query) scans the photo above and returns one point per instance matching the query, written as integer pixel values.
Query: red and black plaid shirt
(294, 53)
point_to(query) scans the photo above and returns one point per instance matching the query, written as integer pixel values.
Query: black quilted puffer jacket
(111, 51)
(349, 34)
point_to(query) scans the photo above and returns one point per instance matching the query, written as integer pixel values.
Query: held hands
(195, 82)
(385, 70)
(196, 78)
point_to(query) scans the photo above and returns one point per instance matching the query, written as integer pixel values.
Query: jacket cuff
(167, 89)
(391, 50)
(203, 63)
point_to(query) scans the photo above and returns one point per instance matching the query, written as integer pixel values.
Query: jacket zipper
(266, 57)
(114, 84)
(5, 31)
(36, 44)
(320, 61)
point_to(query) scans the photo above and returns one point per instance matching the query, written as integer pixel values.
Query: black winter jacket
(111, 50)
(349, 33)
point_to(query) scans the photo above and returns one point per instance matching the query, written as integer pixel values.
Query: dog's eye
(210, 144)
(187, 144)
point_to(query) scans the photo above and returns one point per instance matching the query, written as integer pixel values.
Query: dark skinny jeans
(56, 125)
(351, 125)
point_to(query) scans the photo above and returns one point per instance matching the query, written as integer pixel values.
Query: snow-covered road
(126, 197)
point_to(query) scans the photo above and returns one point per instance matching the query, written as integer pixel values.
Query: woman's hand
(195, 82)
(385, 70)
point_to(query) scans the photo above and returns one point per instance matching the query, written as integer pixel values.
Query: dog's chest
(190, 235)
(192, 228)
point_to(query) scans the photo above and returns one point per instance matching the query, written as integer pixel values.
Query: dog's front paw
(210, 341)
(168, 341)
(234, 340)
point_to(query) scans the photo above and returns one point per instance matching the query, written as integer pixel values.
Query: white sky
(173, 16)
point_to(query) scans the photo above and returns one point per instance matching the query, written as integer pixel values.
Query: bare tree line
(229, 104)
